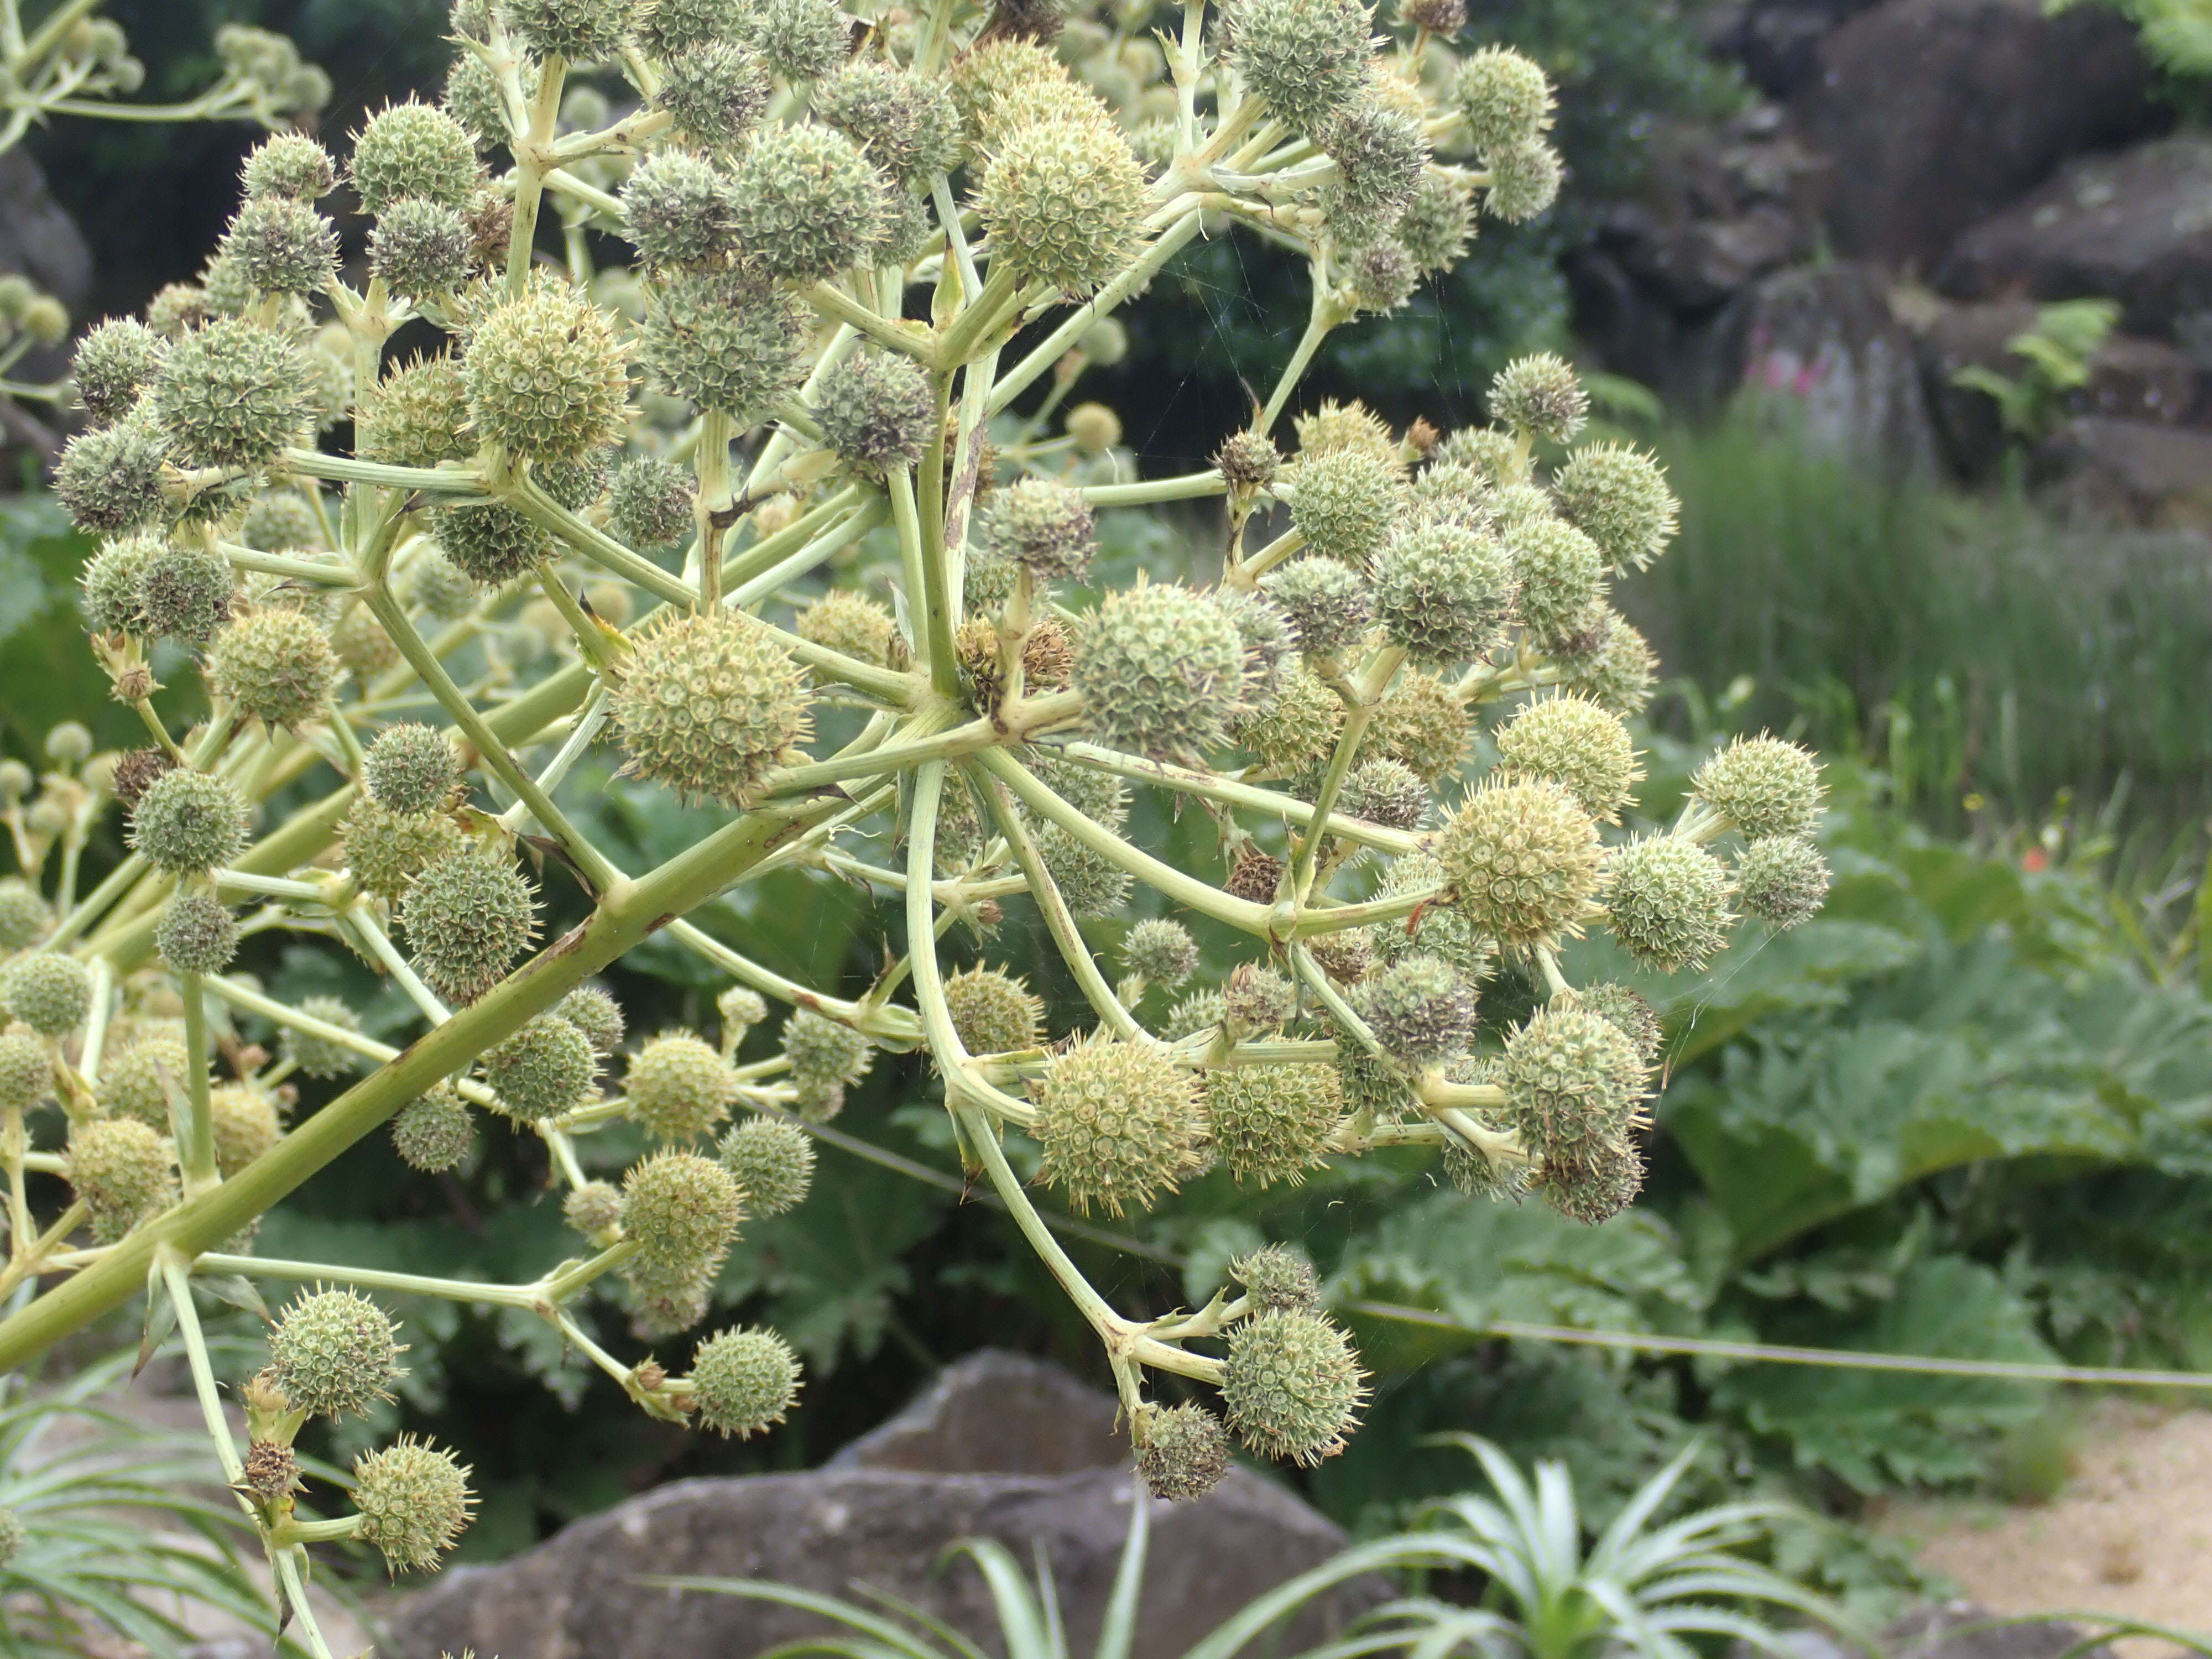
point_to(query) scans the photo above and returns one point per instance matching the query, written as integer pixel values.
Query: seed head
(582, 31)
(1577, 745)
(386, 850)
(1041, 524)
(1162, 950)
(1161, 669)
(846, 621)
(1618, 498)
(992, 1010)
(275, 665)
(1561, 574)
(678, 1087)
(108, 589)
(1346, 503)
(467, 917)
(1201, 1010)
(1783, 880)
(113, 364)
(1387, 793)
(1763, 786)
(1524, 180)
(1594, 1183)
(542, 1070)
(1521, 858)
(715, 92)
(907, 123)
(121, 1170)
(234, 394)
(772, 1162)
(682, 1210)
(1064, 203)
(1273, 1123)
(415, 415)
(876, 409)
(802, 40)
(333, 1352)
(1308, 60)
(434, 1132)
(743, 1381)
(1249, 460)
(544, 376)
(1330, 605)
(272, 1470)
(726, 341)
(1257, 999)
(1183, 1451)
(1255, 874)
(1503, 98)
(183, 593)
(672, 29)
(1422, 724)
(1279, 1278)
(288, 164)
(1572, 1078)
(1612, 1001)
(137, 1082)
(680, 209)
(197, 934)
(1293, 1385)
(27, 1074)
(1118, 1124)
(1444, 593)
(1669, 902)
(709, 703)
(414, 1501)
(593, 1209)
(1539, 394)
(808, 202)
(421, 248)
(282, 244)
(109, 479)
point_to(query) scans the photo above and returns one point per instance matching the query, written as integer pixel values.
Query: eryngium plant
(591, 500)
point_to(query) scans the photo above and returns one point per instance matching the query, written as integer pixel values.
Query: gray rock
(2136, 471)
(577, 1596)
(2134, 227)
(996, 1413)
(1778, 41)
(1947, 1632)
(1938, 113)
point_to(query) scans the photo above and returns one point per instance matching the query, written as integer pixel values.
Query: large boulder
(2134, 227)
(2138, 472)
(1938, 113)
(996, 1413)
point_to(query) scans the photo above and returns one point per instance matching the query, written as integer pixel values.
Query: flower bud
(1524, 180)
(1618, 498)
(1330, 605)
(282, 244)
(1064, 203)
(1610, 1001)
(1423, 725)
(414, 416)
(1503, 98)
(772, 1162)
(581, 31)
(1667, 898)
(411, 769)
(715, 92)
(27, 1073)
(1572, 1079)
(1561, 576)
(138, 1082)
(593, 1209)
(679, 210)
(906, 122)
(1437, 223)
(1539, 394)
(1444, 593)
(1387, 793)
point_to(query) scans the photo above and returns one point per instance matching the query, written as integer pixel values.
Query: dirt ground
(2130, 1533)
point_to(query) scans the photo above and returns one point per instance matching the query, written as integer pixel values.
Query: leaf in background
(1874, 1429)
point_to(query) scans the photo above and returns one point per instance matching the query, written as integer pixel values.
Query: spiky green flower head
(715, 93)
(707, 703)
(1040, 524)
(27, 1071)
(822, 1050)
(491, 543)
(741, 1008)
(1577, 743)
(593, 1209)
(1279, 1277)
(1161, 669)
(1183, 1451)
(1437, 223)
(188, 823)
(288, 164)
(467, 917)
(1783, 880)
(1524, 180)
(1255, 999)
(184, 593)
(1444, 593)
(1612, 664)
(743, 1381)
(1387, 793)
(322, 1056)
(1561, 574)
(1331, 605)
(1668, 899)
(1420, 1009)
(544, 376)
(109, 479)
(282, 244)
(115, 362)
(682, 1210)
(1119, 1124)
(1381, 154)
(1337, 427)
(726, 341)
(1521, 857)
(992, 1011)
(121, 1170)
(1064, 202)
(1161, 950)
(907, 123)
(196, 934)
(1422, 724)
(433, 1132)
(1307, 59)
(415, 415)
(802, 40)
(1093, 428)
(137, 1082)
(581, 31)
(1293, 1385)
(422, 249)
(1003, 69)
(1637, 1020)
(1763, 786)
(877, 410)
(386, 850)
(135, 772)
(593, 1009)
(1273, 1123)
(247, 1124)
(1449, 494)
(234, 394)
(678, 1087)
(281, 521)
(1249, 461)
(334, 1352)
(773, 1163)
(413, 151)
(176, 307)
(1618, 497)
(1504, 98)
(1594, 1183)
(435, 586)
(651, 504)
(1572, 1078)
(414, 1502)
(679, 210)
(1271, 643)
(108, 588)
(1201, 1010)
(671, 29)
(24, 915)
(1540, 394)
(411, 768)
(847, 621)
(541, 1070)
(808, 203)
(275, 665)
(1346, 503)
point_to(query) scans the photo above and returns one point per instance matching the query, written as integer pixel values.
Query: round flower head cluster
(1521, 859)
(907, 124)
(334, 1352)
(121, 1170)
(1292, 1384)
(1387, 793)
(1183, 1451)
(412, 151)
(593, 1209)
(992, 1010)
(1782, 879)
(1307, 59)
(183, 593)
(288, 164)
(1118, 1124)
(275, 665)
(137, 1082)
(853, 624)
(542, 1070)
(467, 917)
(725, 341)
(715, 91)
(1618, 498)
(247, 1124)
(109, 478)
(108, 588)
(1444, 593)
(422, 249)
(24, 917)
(1571, 1079)
(582, 31)
(1419, 1009)
(320, 1057)
(386, 850)
(708, 704)
(1667, 898)
(679, 210)
(1561, 576)
(1330, 605)
(876, 409)
(50, 994)
(232, 394)
(825, 1056)
(743, 1381)
(1299, 728)
(197, 934)
(1044, 527)
(1762, 786)
(1381, 156)
(1423, 725)
(1539, 394)
(1346, 503)
(1277, 1277)
(806, 203)
(27, 1075)
(284, 245)
(1064, 201)
(1162, 950)
(411, 769)
(115, 362)
(279, 521)
(415, 415)
(1576, 744)
(434, 1132)
(678, 1087)
(544, 376)
(592, 1009)
(1273, 1123)
(650, 503)
(1613, 665)
(413, 1500)
(188, 823)
(682, 1210)
(1162, 670)
(1637, 1020)
(771, 1161)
